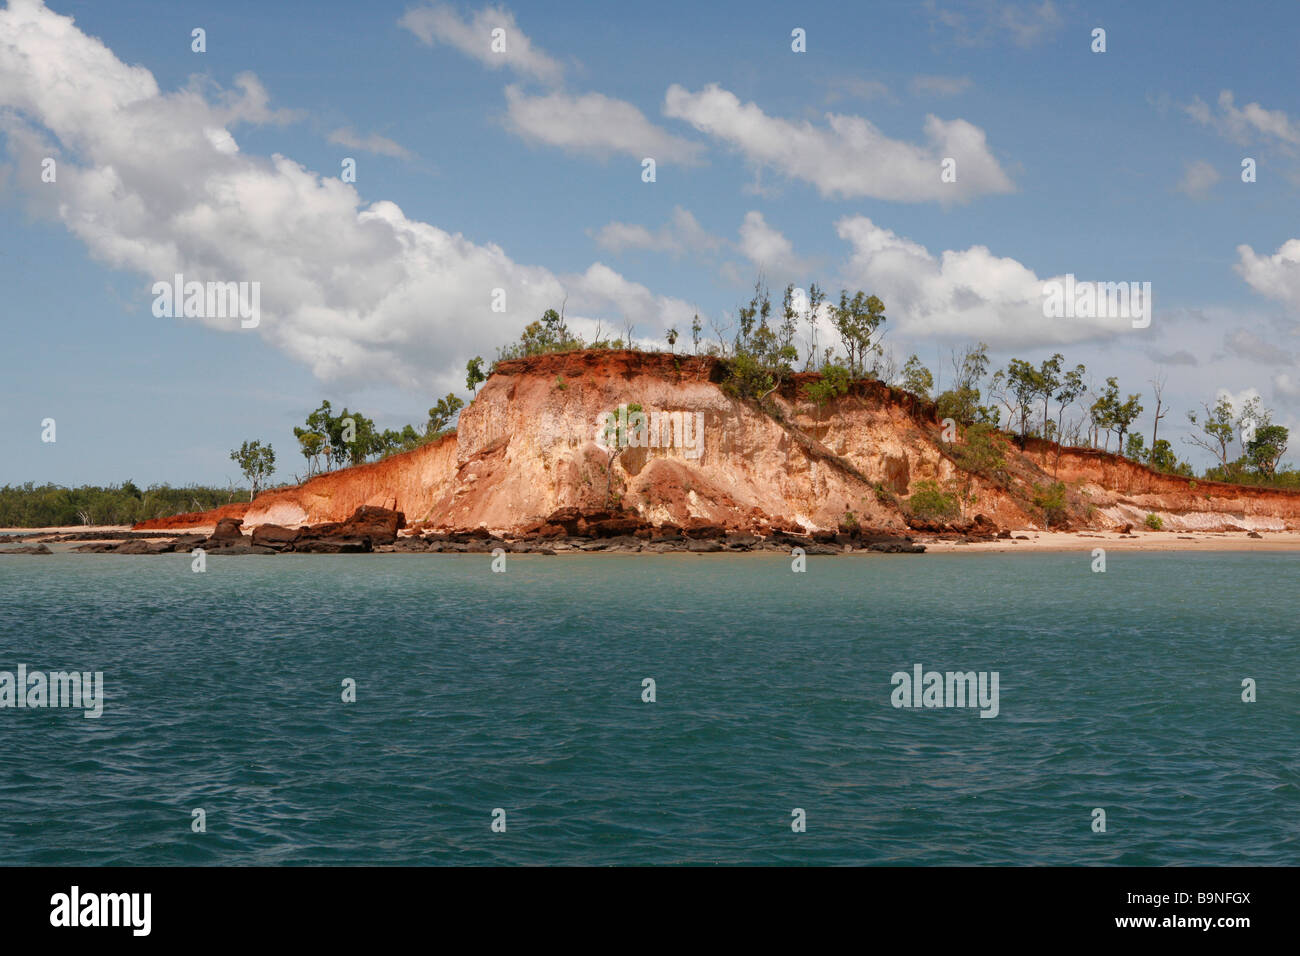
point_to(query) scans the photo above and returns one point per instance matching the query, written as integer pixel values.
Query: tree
(1047, 381)
(1266, 449)
(961, 403)
(696, 329)
(1122, 414)
(442, 414)
(856, 321)
(1135, 449)
(672, 341)
(1016, 388)
(917, 378)
(474, 374)
(1162, 457)
(257, 462)
(311, 444)
(1158, 387)
(1069, 391)
(1217, 428)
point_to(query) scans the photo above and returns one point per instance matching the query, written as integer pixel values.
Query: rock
(1254, 534)
(616, 527)
(411, 544)
(741, 542)
(703, 545)
(274, 536)
(704, 530)
(333, 544)
(818, 548)
(28, 549)
(239, 547)
(95, 547)
(380, 525)
(228, 530)
(897, 546)
(1127, 529)
(1004, 533)
(187, 542)
(143, 547)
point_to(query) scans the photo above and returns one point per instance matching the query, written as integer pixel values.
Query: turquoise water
(522, 691)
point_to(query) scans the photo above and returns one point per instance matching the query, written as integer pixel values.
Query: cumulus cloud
(968, 294)
(155, 183)
(374, 143)
(594, 124)
(1245, 124)
(473, 37)
(767, 248)
(1198, 178)
(681, 235)
(849, 157)
(1276, 276)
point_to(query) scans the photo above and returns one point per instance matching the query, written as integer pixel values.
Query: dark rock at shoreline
(143, 547)
(227, 529)
(331, 544)
(188, 542)
(27, 549)
(274, 536)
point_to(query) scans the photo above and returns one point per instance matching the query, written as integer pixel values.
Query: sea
(424, 709)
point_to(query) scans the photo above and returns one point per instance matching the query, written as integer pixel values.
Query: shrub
(930, 503)
(1051, 500)
(1155, 522)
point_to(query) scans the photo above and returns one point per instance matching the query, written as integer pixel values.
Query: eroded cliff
(530, 445)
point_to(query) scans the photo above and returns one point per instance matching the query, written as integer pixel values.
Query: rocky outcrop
(526, 462)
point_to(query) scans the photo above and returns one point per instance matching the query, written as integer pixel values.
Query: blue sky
(522, 170)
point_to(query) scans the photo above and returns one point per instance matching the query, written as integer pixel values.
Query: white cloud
(154, 183)
(1245, 124)
(682, 234)
(850, 157)
(374, 143)
(1198, 178)
(768, 250)
(968, 294)
(436, 21)
(594, 124)
(924, 85)
(1276, 276)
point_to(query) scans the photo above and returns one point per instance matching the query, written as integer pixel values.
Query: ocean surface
(522, 691)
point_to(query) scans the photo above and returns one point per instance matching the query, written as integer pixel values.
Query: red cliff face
(529, 445)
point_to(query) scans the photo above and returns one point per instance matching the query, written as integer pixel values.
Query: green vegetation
(257, 462)
(41, 506)
(930, 503)
(1155, 522)
(1050, 500)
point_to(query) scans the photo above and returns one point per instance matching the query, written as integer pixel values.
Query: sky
(522, 169)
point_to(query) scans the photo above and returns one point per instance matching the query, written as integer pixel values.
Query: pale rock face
(528, 445)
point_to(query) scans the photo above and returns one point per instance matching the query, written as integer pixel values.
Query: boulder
(274, 536)
(227, 530)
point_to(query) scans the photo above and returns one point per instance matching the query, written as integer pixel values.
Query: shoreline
(1024, 541)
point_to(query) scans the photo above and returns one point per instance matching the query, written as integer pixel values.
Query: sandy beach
(1111, 540)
